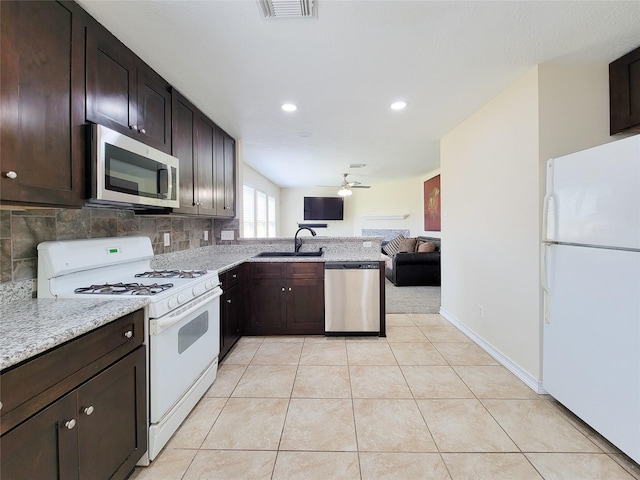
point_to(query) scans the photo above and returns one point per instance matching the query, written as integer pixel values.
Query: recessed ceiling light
(305, 134)
(398, 105)
(289, 107)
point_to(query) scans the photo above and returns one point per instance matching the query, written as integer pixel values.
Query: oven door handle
(161, 324)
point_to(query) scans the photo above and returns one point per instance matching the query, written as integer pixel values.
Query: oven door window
(127, 172)
(192, 331)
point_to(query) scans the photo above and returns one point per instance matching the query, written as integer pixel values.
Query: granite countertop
(31, 327)
(223, 261)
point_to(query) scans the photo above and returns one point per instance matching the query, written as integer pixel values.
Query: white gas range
(183, 329)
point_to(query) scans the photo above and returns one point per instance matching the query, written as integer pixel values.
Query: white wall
(490, 187)
(493, 183)
(403, 197)
(574, 108)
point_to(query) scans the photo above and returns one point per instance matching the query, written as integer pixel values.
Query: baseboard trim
(528, 379)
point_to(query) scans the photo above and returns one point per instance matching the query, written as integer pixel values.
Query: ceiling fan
(346, 186)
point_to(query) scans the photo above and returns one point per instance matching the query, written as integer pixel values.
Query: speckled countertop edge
(32, 327)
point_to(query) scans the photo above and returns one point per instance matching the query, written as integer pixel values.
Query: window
(249, 218)
(259, 213)
(271, 216)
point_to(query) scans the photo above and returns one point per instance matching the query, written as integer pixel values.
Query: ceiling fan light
(344, 192)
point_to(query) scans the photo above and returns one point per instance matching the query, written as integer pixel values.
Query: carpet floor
(411, 299)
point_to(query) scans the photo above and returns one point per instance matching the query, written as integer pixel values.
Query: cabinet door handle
(11, 174)
(70, 424)
(228, 301)
(289, 288)
(128, 334)
(133, 127)
(142, 130)
(235, 275)
(283, 289)
(88, 410)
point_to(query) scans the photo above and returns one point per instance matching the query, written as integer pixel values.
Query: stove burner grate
(171, 274)
(125, 289)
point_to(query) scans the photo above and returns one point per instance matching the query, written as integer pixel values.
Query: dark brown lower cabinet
(110, 429)
(43, 447)
(305, 306)
(92, 432)
(285, 299)
(231, 309)
(95, 430)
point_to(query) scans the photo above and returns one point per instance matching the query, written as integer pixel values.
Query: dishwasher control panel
(351, 265)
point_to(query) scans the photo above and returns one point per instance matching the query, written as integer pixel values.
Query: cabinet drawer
(268, 270)
(305, 270)
(30, 386)
(231, 278)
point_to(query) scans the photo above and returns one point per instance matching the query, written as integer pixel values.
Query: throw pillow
(427, 247)
(407, 245)
(391, 248)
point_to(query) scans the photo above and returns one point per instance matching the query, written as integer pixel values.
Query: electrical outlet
(480, 311)
(206, 235)
(226, 235)
(167, 239)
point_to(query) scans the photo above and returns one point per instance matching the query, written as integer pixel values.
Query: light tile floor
(424, 403)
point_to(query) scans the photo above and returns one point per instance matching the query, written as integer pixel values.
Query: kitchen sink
(290, 254)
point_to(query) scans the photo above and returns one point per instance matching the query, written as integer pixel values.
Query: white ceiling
(344, 67)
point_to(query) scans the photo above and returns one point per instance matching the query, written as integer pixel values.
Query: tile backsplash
(22, 230)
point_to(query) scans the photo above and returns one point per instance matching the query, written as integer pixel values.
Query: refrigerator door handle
(549, 213)
(549, 206)
(544, 283)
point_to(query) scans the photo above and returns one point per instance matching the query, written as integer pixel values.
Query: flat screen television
(323, 208)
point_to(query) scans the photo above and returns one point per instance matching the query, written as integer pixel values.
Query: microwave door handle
(163, 182)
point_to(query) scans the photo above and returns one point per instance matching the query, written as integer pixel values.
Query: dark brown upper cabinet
(226, 175)
(124, 93)
(183, 139)
(42, 96)
(193, 143)
(207, 161)
(624, 93)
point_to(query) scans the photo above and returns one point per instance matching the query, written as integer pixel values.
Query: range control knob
(197, 291)
(181, 298)
(208, 285)
(173, 302)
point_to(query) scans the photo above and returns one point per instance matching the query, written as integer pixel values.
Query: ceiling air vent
(286, 8)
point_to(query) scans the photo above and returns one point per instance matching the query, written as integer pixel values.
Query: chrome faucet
(298, 243)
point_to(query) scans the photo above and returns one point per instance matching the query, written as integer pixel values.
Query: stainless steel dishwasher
(352, 298)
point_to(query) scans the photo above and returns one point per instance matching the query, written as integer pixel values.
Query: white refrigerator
(591, 282)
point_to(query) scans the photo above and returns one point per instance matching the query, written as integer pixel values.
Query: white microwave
(127, 171)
